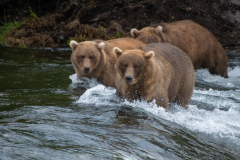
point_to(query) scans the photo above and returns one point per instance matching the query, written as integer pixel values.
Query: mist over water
(46, 115)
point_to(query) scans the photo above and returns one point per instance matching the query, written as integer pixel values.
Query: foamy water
(44, 115)
(212, 112)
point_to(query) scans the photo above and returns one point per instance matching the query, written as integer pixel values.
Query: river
(47, 113)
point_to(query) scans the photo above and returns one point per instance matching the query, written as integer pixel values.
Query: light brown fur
(196, 41)
(103, 60)
(160, 71)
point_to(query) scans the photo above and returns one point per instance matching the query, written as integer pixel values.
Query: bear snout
(128, 78)
(86, 69)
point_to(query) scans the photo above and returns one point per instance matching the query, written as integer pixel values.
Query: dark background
(221, 17)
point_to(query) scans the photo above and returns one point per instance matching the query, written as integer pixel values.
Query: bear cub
(196, 41)
(157, 71)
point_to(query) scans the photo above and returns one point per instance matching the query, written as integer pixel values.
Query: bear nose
(128, 78)
(86, 69)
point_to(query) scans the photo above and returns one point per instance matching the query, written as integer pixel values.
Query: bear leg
(184, 97)
(220, 70)
(217, 63)
(183, 102)
(163, 102)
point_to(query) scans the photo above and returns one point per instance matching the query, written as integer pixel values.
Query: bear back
(196, 41)
(176, 67)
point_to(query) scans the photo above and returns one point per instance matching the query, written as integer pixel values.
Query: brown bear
(157, 71)
(95, 59)
(196, 41)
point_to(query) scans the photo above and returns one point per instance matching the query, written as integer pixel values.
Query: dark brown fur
(196, 41)
(167, 76)
(101, 60)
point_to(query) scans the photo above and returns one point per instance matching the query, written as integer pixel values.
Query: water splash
(232, 82)
(86, 82)
(220, 117)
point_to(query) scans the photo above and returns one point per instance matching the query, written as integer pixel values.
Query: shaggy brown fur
(196, 41)
(159, 71)
(95, 59)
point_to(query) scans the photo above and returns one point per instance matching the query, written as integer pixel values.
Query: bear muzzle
(86, 69)
(128, 78)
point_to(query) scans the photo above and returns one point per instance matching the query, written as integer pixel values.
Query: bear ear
(134, 32)
(117, 51)
(158, 30)
(101, 45)
(73, 44)
(149, 55)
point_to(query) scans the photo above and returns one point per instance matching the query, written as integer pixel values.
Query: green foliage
(31, 13)
(68, 42)
(118, 35)
(5, 28)
(76, 38)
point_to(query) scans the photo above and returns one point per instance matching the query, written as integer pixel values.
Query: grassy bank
(6, 27)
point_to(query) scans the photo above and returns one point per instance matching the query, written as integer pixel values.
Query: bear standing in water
(158, 71)
(196, 41)
(95, 59)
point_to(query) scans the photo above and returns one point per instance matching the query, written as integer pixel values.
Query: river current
(47, 113)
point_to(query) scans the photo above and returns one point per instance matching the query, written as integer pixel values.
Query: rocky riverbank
(60, 20)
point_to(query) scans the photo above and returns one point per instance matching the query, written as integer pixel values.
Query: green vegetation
(6, 27)
(76, 38)
(68, 42)
(31, 13)
(118, 35)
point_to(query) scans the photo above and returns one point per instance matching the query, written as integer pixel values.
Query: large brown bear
(158, 71)
(196, 41)
(95, 59)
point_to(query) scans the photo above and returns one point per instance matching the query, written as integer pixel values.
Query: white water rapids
(214, 112)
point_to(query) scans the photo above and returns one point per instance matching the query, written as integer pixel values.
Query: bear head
(132, 65)
(86, 56)
(148, 35)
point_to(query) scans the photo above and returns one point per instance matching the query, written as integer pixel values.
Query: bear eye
(82, 57)
(125, 65)
(91, 57)
(135, 66)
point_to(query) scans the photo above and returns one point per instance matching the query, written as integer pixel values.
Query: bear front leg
(160, 101)
(163, 102)
(119, 93)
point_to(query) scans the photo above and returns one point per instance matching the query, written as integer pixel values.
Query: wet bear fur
(196, 41)
(159, 71)
(95, 59)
